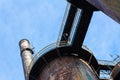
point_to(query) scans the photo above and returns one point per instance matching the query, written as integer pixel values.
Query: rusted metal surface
(67, 68)
(47, 55)
(26, 55)
(82, 4)
(109, 7)
(116, 72)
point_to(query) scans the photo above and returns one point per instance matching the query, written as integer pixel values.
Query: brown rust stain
(62, 74)
(65, 68)
(59, 69)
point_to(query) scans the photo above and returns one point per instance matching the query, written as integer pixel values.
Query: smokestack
(26, 55)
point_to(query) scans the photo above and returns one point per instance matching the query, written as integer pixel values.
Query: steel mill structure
(68, 59)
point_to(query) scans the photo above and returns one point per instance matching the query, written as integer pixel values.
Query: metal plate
(109, 7)
(67, 68)
(49, 58)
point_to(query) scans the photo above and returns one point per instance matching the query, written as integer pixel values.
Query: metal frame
(67, 45)
(70, 40)
(44, 58)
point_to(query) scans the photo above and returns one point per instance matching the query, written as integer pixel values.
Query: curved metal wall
(51, 62)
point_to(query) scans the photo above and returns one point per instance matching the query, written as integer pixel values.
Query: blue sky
(39, 21)
(103, 36)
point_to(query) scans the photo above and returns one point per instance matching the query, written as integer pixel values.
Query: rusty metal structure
(68, 59)
(26, 55)
(116, 72)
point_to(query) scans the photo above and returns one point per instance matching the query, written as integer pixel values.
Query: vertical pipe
(26, 55)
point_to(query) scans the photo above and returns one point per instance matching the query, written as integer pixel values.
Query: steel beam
(67, 24)
(81, 30)
(80, 27)
(109, 7)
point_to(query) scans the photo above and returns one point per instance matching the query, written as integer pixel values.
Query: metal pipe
(115, 75)
(26, 55)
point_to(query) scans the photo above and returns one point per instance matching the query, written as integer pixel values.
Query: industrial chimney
(26, 55)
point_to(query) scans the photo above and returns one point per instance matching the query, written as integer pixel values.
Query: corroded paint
(67, 68)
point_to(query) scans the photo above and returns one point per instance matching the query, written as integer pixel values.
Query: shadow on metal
(49, 54)
(115, 75)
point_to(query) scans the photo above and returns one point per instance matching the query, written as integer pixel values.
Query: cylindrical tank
(62, 63)
(67, 68)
